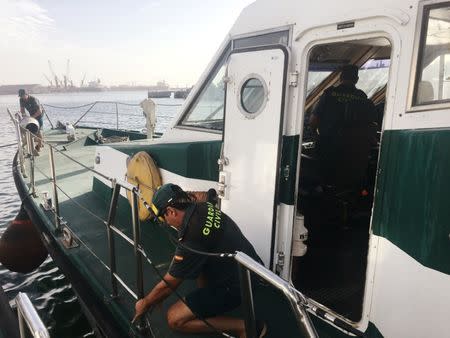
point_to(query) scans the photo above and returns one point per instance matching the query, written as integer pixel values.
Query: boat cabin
(257, 97)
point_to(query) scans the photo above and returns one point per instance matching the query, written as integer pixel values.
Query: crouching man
(204, 228)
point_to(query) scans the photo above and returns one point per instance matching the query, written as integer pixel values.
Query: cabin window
(252, 96)
(433, 77)
(207, 110)
(262, 40)
(373, 75)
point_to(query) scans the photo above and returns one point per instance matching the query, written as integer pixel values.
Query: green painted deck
(86, 212)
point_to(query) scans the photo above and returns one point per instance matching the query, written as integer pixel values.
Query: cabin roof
(267, 14)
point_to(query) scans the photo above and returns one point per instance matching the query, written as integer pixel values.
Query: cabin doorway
(338, 164)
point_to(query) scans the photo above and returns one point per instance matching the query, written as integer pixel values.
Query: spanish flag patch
(178, 258)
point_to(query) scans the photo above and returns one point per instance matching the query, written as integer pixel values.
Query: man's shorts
(214, 300)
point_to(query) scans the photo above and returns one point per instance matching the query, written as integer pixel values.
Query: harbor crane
(57, 82)
(66, 77)
(82, 80)
(49, 81)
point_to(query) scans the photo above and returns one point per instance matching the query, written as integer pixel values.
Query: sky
(116, 41)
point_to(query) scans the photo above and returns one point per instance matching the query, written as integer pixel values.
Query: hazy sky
(120, 42)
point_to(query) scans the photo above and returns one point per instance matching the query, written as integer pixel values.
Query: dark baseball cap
(165, 196)
(22, 92)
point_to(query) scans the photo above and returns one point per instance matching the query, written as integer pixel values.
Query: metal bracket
(223, 161)
(226, 79)
(222, 191)
(293, 79)
(280, 262)
(46, 201)
(68, 239)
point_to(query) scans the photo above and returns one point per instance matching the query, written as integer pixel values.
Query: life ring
(143, 172)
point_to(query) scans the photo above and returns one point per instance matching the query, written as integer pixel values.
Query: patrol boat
(368, 260)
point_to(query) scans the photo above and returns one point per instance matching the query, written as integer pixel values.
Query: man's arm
(22, 109)
(160, 292)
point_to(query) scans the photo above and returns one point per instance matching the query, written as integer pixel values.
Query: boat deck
(84, 205)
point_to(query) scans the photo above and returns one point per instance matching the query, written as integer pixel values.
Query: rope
(8, 145)
(82, 165)
(62, 107)
(169, 105)
(71, 199)
(110, 102)
(179, 296)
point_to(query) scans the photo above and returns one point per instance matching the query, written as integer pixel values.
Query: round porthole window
(253, 96)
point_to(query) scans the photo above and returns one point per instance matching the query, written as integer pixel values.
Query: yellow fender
(143, 172)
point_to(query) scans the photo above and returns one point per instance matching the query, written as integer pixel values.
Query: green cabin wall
(411, 202)
(197, 160)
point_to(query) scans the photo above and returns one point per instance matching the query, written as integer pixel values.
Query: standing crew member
(32, 105)
(343, 115)
(204, 228)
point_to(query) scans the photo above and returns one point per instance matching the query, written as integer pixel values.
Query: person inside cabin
(201, 227)
(344, 120)
(32, 105)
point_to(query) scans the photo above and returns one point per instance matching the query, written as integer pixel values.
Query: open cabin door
(255, 91)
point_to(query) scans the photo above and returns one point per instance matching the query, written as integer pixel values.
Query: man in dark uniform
(344, 119)
(204, 228)
(32, 105)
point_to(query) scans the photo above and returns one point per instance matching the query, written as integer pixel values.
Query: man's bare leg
(39, 138)
(181, 318)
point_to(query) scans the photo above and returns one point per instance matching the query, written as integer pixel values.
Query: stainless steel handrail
(28, 316)
(117, 185)
(90, 107)
(296, 299)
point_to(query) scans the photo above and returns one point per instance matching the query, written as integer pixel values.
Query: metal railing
(104, 108)
(246, 264)
(296, 299)
(29, 155)
(29, 318)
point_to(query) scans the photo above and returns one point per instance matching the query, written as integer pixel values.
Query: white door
(256, 80)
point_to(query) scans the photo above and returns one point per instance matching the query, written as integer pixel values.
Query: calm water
(47, 287)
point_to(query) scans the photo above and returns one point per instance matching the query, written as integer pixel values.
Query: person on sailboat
(202, 229)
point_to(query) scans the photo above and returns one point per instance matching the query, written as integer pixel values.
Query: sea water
(47, 287)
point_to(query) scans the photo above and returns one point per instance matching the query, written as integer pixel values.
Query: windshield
(373, 76)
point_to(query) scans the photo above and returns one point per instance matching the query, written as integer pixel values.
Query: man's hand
(140, 309)
(160, 292)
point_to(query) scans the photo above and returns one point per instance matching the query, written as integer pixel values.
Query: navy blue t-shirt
(205, 228)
